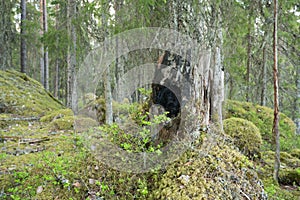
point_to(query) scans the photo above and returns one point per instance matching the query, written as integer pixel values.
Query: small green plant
(140, 138)
(143, 189)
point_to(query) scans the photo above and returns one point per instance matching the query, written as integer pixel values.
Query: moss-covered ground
(45, 158)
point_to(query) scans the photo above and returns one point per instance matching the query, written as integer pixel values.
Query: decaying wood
(11, 138)
(20, 119)
(23, 140)
(33, 141)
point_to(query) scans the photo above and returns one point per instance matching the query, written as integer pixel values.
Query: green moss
(21, 95)
(84, 123)
(220, 174)
(245, 134)
(290, 177)
(288, 160)
(56, 114)
(64, 123)
(262, 118)
(275, 192)
(296, 153)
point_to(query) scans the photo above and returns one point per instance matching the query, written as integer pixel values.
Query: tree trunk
(6, 34)
(264, 77)
(183, 90)
(42, 61)
(56, 78)
(46, 60)
(297, 118)
(276, 103)
(23, 37)
(249, 54)
(108, 98)
(71, 58)
(217, 78)
(107, 81)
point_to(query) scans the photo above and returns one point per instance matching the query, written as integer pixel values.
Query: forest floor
(43, 157)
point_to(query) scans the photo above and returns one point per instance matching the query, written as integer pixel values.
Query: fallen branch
(33, 141)
(20, 119)
(12, 138)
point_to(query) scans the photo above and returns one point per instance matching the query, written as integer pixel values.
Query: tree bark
(264, 77)
(249, 60)
(297, 118)
(276, 103)
(6, 34)
(23, 38)
(217, 78)
(42, 61)
(46, 60)
(56, 77)
(107, 81)
(71, 58)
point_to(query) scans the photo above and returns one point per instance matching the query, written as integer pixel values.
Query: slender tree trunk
(71, 58)
(23, 39)
(6, 34)
(249, 60)
(276, 103)
(46, 60)
(108, 98)
(42, 61)
(217, 79)
(107, 83)
(56, 78)
(264, 77)
(297, 118)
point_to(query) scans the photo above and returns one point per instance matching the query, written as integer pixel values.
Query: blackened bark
(183, 91)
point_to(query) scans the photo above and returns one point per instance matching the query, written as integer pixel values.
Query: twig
(245, 195)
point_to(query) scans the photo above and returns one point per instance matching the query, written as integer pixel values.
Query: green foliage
(275, 192)
(135, 138)
(245, 134)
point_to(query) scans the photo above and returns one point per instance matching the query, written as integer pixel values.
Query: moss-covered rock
(24, 96)
(296, 153)
(64, 123)
(82, 124)
(223, 173)
(56, 114)
(245, 134)
(288, 160)
(262, 118)
(290, 177)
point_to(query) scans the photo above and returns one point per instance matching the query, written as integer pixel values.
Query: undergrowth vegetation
(48, 158)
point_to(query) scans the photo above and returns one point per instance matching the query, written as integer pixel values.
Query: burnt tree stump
(184, 86)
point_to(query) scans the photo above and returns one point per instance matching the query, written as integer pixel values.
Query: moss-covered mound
(24, 96)
(51, 116)
(262, 118)
(220, 173)
(245, 134)
(290, 177)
